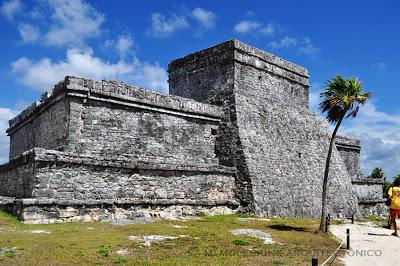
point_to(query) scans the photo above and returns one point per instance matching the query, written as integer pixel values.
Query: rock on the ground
(179, 226)
(254, 233)
(147, 240)
(37, 232)
(123, 251)
(240, 219)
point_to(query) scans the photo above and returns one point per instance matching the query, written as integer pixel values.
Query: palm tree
(377, 173)
(340, 99)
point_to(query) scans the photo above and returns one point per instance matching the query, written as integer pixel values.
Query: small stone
(123, 252)
(254, 233)
(37, 232)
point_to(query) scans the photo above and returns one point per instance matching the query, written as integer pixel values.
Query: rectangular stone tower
(267, 132)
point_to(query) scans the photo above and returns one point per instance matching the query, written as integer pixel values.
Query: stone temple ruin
(234, 134)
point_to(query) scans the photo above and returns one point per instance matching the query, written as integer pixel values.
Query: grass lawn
(207, 242)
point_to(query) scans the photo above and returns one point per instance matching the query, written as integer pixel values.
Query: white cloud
(246, 26)
(45, 73)
(254, 27)
(309, 50)
(379, 133)
(306, 48)
(5, 115)
(268, 30)
(123, 45)
(68, 22)
(29, 33)
(9, 9)
(72, 22)
(163, 26)
(286, 42)
(205, 18)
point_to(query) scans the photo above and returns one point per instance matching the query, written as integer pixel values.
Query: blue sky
(133, 41)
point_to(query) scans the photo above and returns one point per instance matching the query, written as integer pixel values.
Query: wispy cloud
(123, 45)
(254, 27)
(163, 26)
(69, 22)
(9, 9)
(72, 22)
(285, 42)
(308, 49)
(29, 33)
(206, 18)
(246, 26)
(43, 74)
(304, 46)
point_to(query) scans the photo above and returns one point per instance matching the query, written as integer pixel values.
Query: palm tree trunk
(326, 174)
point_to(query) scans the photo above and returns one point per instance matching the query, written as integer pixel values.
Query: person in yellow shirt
(394, 194)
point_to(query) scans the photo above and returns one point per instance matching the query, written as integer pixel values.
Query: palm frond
(342, 96)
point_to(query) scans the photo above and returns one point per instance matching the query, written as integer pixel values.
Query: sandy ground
(369, 245)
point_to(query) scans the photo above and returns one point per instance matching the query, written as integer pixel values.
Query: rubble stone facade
(235, 133)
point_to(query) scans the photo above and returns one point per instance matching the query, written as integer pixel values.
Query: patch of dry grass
(208, 243)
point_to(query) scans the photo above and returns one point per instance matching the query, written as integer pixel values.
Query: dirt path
(370, 245)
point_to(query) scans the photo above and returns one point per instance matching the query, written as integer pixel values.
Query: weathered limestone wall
(121, 145)
(17, 177)
(368, 189)
(50, 178)
(113, 119)
(349, 150)
(46, 127)
(280, 147)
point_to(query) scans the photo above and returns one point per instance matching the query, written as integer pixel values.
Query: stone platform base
(33, 211)
(373, 208)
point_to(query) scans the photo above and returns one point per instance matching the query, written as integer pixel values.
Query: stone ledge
(370, 202)
(6, 200)
(42, 155)
(369, 181)
(48, 201)
(347, 142)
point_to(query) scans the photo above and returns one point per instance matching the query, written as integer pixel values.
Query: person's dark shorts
(394, 213)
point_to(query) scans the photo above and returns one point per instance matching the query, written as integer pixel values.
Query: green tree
(341, 99)
(377, 173)
(386, 186)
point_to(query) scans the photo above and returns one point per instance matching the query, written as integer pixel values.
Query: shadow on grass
(283, 227)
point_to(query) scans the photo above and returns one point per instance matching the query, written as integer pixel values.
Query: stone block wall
(121, 145)
(46, 127)
(368, 189)
(40, 179)
(58, 175)
(113, 119)
(349, 150)
(267, 132)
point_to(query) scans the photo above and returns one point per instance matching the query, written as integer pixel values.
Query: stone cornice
(118, 94)
(246, 54)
